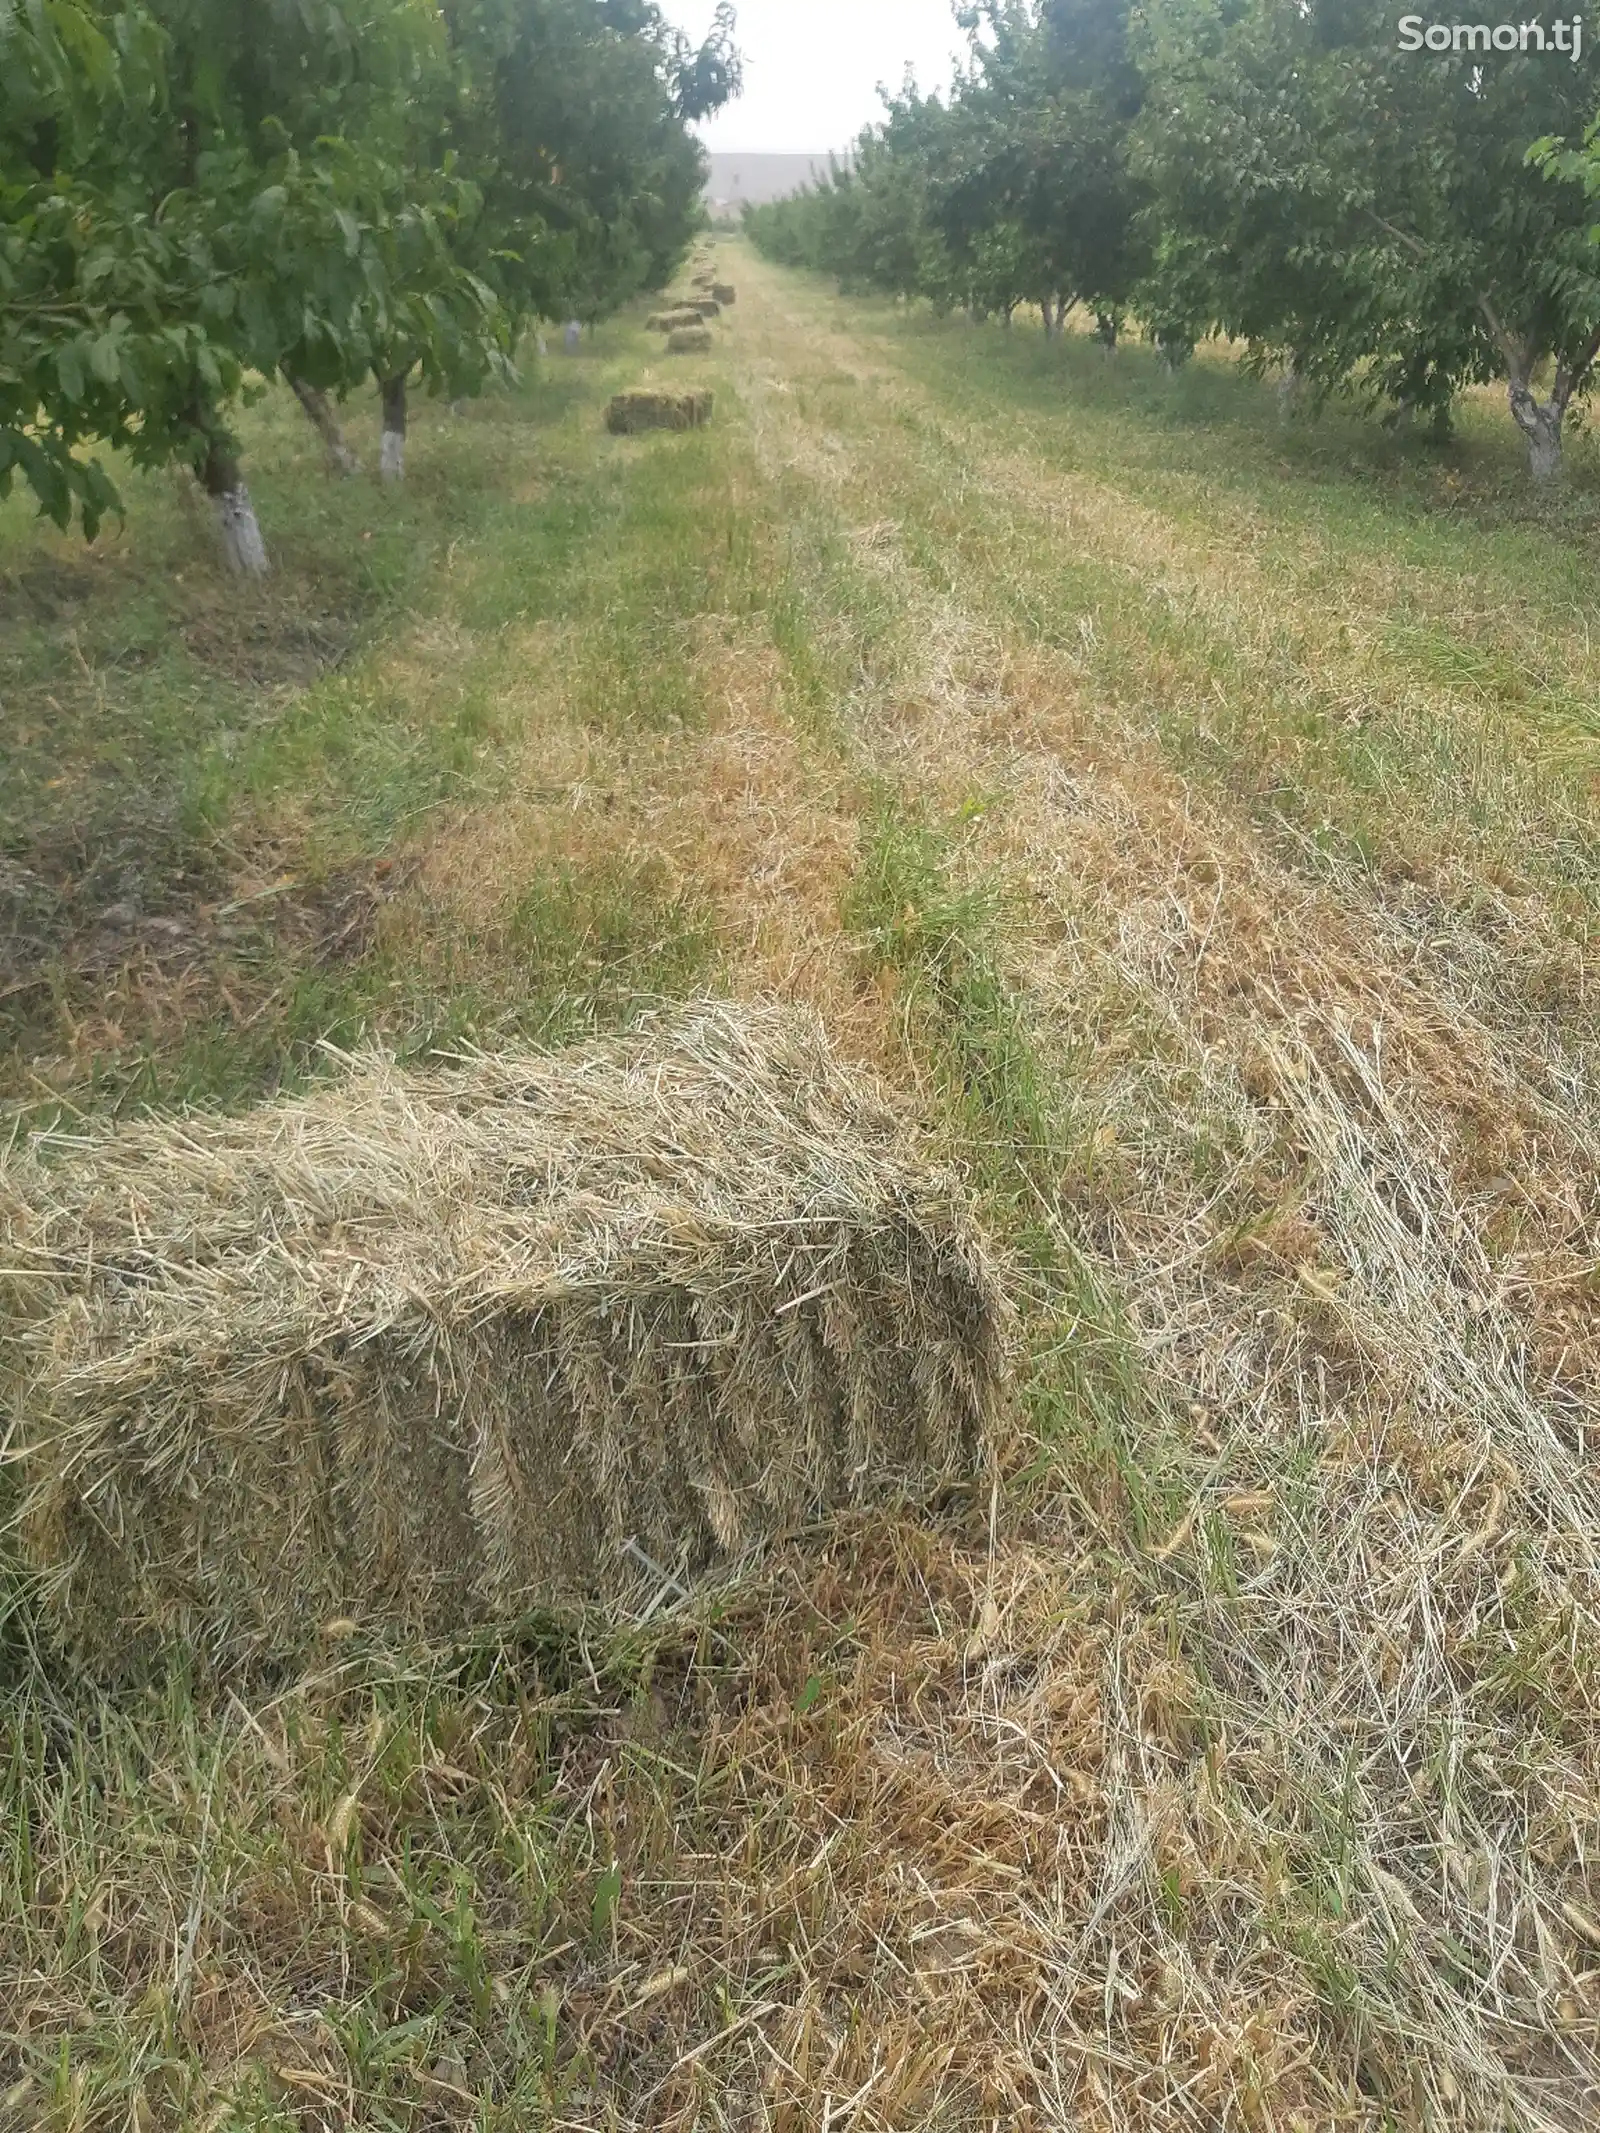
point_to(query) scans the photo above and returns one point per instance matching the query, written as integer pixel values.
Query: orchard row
(197, 196)
(1373, 218)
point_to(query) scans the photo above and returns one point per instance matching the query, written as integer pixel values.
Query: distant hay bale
(647, 408)
(690, 340)
(724, 292)
(668, 321)
(707, 308)
(426, 1349)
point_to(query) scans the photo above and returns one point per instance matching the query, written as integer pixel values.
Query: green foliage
(1366, 212)
(1281, 171)
(195, 192)
(1019, 188)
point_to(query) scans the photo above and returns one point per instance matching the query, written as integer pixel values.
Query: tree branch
(1414, 245)
(1514, 351)
(1570, 376)
(1519, 357)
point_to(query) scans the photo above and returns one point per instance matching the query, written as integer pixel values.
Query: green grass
(1128, 683)
(1347, 632)
(175, 745)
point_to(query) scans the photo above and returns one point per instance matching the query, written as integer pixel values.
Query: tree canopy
(1347, 201)
(198, 194)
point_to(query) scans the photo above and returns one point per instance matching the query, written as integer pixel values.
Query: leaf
(69, 370)
(605, 1900)
(105, 358)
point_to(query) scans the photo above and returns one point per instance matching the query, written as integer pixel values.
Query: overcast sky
(812, 67)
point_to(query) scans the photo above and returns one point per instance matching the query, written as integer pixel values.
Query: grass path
(1196, 817)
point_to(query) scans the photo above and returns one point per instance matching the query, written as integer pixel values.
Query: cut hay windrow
(423, 1350)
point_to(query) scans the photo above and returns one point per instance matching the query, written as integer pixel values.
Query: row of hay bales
(422, 1350)
(686, 326)
(670, 321)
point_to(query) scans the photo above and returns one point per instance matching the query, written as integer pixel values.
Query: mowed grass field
(1193, 813)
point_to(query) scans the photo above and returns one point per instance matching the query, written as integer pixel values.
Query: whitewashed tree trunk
(1539, 423)
(1291, 389)
(321, 416)
(392, 447)
(242, 545)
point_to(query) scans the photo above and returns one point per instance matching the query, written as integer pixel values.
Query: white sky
(812, 67)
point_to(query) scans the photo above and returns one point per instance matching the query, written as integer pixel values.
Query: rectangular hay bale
(647, 408)
(426, 1349)
(690, 340)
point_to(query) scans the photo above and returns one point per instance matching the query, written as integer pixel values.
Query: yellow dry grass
(1342, 1168)
(741, 816)
(1238, 1765)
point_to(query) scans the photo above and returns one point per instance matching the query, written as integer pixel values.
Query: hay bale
(669, 321)
(425, 1349)
(724, 292)
(707, 308)
(689, 340)
(648, 408)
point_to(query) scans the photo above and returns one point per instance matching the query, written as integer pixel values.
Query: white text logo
(1562, 36)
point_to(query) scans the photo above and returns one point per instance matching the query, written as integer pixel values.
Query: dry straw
(647, 408)
(424, 1349)
(689, 340)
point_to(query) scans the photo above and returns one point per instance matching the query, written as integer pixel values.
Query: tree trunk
(1291, 387)
(392, 450)
(320, 414)
(241, 533)
(1541, 426)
